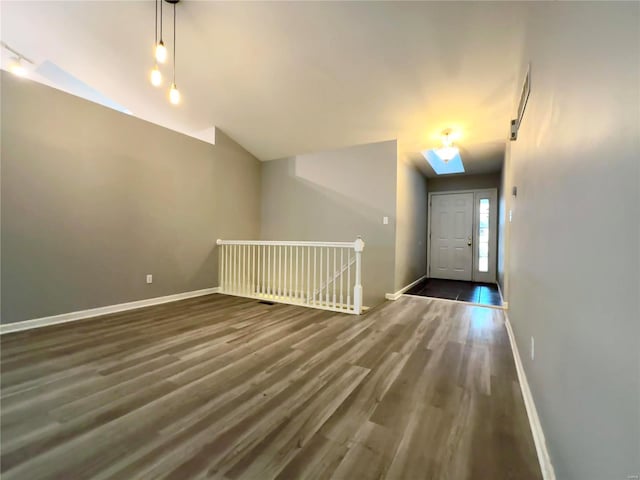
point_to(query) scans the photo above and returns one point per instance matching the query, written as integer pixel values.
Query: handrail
(336, 275)
(312, 274)
(286, 243)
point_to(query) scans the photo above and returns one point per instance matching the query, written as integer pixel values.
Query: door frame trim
(475, 191)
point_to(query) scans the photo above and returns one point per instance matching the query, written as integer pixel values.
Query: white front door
(451, 236)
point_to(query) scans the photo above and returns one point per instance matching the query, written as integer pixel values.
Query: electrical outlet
(149, 278)
(533, 348)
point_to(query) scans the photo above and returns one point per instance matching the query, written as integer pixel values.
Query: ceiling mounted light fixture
(17, 63)
(174, 93)
(448, 151)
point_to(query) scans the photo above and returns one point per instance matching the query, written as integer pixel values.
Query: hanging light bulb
(156, 76)
(17, 68)
(174, 94)
(161, 52)
(446, 139)
(448, 151)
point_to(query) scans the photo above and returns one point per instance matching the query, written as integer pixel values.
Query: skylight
(440, 166)
(63, 80)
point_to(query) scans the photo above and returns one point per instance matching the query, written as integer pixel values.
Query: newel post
(220, 265)
(358, 246)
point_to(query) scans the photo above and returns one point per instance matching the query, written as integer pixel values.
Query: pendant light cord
(156, 24)
(161, 20)
(174, 44)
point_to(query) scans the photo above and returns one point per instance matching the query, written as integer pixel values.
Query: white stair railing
(311, 274)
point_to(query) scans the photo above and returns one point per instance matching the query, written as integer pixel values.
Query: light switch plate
(149, 278)
(385, 220)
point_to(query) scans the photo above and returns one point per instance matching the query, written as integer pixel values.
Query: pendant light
(156, 76)
(174, 93)
(448, 151)
(161, 50)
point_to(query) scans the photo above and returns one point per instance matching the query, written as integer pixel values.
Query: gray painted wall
(93, 200)
(504, 202)
(464, 182)
(574, 266)
(411, 225)
(336, 196)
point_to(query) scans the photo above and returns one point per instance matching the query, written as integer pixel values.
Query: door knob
(469, 241)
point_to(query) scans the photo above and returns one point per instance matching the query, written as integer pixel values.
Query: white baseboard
(534, 421)
(398, 294)
(504, 304)
(96, 312)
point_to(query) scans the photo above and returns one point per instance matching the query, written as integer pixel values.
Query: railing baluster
(349, 279)
(259, 282)
(296, 291)
(341, 275)
(291, 292)
(308, 274)
(334, 277)
(326, 282)
(284, 285)
(280, 271)
(269, 271)
(314, 272)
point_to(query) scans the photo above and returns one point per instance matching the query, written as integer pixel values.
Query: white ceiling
(290, 78)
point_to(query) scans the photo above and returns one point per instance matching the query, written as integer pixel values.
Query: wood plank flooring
(229, 388)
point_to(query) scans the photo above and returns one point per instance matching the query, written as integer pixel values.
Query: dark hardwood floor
(228, 388)
(472, 292)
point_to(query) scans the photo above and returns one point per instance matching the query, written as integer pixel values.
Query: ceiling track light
(17, 66)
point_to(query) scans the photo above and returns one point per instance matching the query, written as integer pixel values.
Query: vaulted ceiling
(296, 77)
